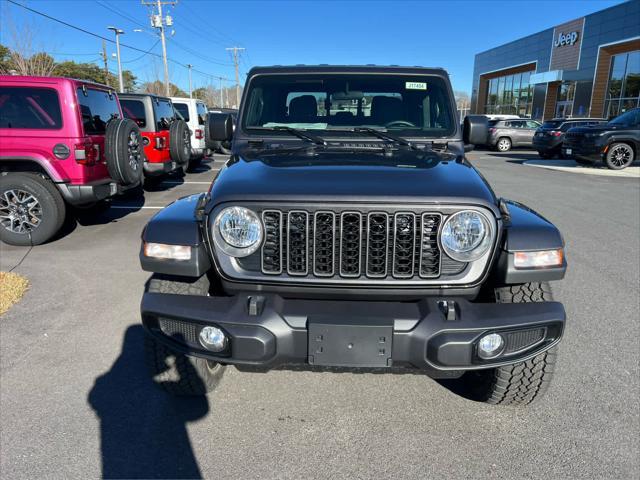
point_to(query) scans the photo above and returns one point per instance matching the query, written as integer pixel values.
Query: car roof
(325, 68)
(581, 119)
(51, 80)
(186, 99)
(142, 95)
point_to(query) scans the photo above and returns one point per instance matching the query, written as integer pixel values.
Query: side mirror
(218, 127)
(475, 130)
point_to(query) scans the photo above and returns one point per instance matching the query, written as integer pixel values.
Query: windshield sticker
(415, 86)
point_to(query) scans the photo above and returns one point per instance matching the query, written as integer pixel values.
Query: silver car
(505, 134)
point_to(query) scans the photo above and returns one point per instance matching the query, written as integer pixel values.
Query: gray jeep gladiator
(348, 230)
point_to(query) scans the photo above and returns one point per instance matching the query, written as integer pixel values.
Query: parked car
(505, 134)
(352, 241)
(193, 112)
(166, 138)
(549, 137)
(222, 147)
(615, 143)
(62, 142)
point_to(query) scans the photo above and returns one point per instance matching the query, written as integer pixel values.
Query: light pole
(189, 66)
(118, 32)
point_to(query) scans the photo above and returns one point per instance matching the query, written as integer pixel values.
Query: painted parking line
(172, 182)
(571, 166)
(135, 207)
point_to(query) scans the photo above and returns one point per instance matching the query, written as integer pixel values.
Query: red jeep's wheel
(180, 142)
(31, 209)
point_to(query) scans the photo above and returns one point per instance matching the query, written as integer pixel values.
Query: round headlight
(466, 235)
(237, 231)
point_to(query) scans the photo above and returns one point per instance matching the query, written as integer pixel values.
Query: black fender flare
(179, 223)
(526, 230)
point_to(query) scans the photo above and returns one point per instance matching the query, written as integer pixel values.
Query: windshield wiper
(300, 134)
(386, 136)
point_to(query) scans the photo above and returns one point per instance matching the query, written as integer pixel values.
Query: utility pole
(160, 22)
(189, 66)
(118, 32)
(106, 65)
(221, 100)
(236, 58)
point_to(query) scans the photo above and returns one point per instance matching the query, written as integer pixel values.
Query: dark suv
(549, 137)
(615, 143)
(506, 134)
(347, 230)
(166, 137)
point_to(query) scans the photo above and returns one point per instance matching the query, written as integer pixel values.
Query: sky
(428, 33)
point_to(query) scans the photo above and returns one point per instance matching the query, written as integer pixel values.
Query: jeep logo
(566, 39)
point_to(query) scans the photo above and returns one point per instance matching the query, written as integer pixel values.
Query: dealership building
(588, 67)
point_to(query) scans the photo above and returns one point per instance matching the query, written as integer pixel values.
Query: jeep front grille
(354, 245)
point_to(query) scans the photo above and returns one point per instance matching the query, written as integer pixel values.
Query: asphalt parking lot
(75, 399)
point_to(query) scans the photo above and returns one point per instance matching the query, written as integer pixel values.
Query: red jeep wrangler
(166, 137)
(62, 142)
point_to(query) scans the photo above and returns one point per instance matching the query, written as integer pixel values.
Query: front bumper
(546, 144)
(588, 151)
(269, 330)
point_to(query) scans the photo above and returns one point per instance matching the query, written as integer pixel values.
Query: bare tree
(26, 59)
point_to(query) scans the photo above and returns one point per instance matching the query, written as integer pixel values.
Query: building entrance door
(563, 109)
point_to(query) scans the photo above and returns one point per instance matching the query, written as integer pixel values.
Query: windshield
(405, 104)
(632, 117)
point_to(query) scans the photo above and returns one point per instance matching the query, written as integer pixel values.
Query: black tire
(195, 162)
(50, 209)
(520, 383)
(184, 376)
(503, 144)
(180, 142)
(620, 155)
(224, 149)
(124, 151)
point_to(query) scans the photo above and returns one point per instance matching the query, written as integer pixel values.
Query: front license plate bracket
(340, 343)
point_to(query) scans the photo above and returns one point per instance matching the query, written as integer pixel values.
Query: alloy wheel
(186, 142)
(504, 145)
(20, 211)
(621, 155)
(133, 146)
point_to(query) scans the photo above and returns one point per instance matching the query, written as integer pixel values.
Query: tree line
(13, 62)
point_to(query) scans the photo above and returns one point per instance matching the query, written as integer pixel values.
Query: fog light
(213, 339)
(490, 346)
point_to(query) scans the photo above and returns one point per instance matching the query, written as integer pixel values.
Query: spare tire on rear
(124, 151)
(180, 142)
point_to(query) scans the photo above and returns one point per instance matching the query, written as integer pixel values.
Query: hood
(597, 128)
(404, 176)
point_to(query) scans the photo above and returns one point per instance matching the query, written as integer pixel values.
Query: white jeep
(194, 113)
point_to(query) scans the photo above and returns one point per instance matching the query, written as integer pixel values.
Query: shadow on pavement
(515, 157)
(143, 429)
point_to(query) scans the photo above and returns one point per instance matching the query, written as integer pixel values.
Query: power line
(148, 52)
(113, 9)
(124, 45)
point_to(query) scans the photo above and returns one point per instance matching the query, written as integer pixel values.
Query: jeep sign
(566, 39)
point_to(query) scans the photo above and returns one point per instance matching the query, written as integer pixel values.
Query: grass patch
(12, 288)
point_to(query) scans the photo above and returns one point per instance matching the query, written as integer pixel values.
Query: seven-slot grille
(351, 244)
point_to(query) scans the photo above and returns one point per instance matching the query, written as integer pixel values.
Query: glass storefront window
(510, 94)
(623, 90)
(632, 76)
